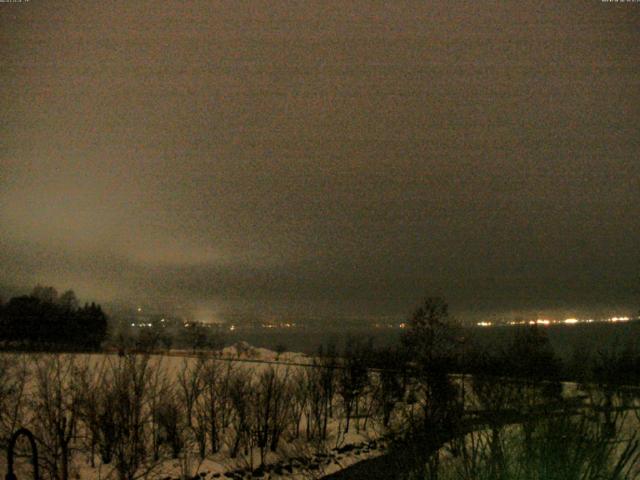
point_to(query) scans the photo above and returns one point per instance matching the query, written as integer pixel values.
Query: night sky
(323, 158)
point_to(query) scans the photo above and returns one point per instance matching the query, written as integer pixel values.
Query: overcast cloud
(341, 158)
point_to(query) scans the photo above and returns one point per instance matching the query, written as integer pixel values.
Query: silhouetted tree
(431, 343)
(69, 300)
(41, 320)
(169, 417)
(391, 381)
(353, 377)
(45, 294)
(271, 408)
(242, 396)
(430, 336)
(93, 325)
(531, 355)
(56, 405)
(14, 378)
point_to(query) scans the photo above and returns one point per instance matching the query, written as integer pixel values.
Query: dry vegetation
(139, 416)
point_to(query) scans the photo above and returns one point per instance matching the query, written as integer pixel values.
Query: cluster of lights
(566, 321)
(142, 324)
(390, 325)
(145, 324)
(278, 325)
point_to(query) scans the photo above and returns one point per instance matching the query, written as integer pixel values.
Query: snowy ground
(295, 459)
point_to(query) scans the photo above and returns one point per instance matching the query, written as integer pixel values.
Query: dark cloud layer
(326, 157)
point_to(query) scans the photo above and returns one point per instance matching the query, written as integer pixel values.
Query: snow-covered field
(242, 412)
(313, 437)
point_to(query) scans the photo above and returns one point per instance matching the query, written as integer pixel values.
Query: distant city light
(566, 321)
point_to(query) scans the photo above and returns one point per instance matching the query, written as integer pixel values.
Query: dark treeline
(432, 338)
(45, 320)
(552, 436)
(529, 353)
(518, 383)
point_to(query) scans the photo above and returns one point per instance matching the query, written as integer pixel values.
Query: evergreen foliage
(43, 320)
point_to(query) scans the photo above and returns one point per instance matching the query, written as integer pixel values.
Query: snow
(296, 459)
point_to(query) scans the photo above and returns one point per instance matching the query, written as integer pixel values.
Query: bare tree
(190, 387)
(160, 389)
(225, 408)
(127, 388)
(241, 393)
(14, 375)
(272, 413)
(390, 390)
(320, 383)
(300, 395)
(432, 342)
(190, 390)
(56, 406)
(214, 406)
(169, 418)
(93, 406)
(353, 378)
